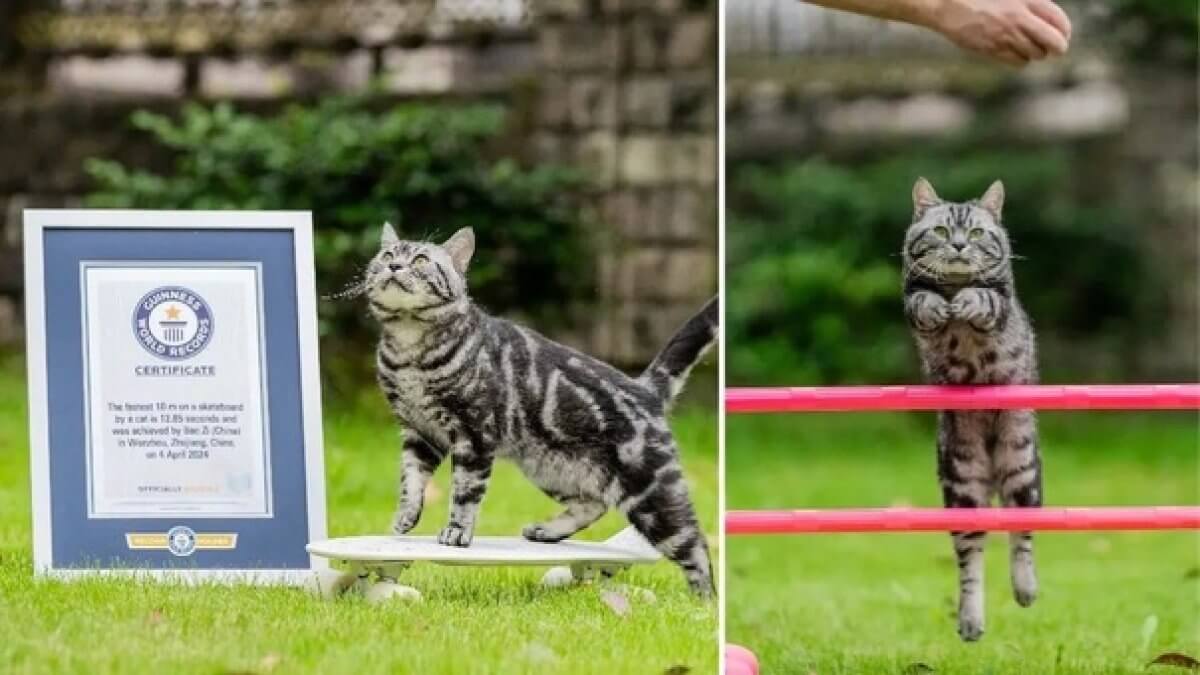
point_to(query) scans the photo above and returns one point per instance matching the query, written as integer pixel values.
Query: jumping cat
(961, 304)
(474, 388)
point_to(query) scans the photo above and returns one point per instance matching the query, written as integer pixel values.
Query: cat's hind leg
(578, 514)
(419, 459)
(662, 513)
(965, 475)
(1019, 472)
(968, 550)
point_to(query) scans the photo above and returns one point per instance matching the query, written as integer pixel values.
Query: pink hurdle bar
(986, 397)
(942, 520)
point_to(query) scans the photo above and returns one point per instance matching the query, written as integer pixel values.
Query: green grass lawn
(470, 621)
(884, 603)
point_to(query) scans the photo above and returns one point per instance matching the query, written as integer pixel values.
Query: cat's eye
(386, 257)
(975, 234)
(942, 231)
(420, 259)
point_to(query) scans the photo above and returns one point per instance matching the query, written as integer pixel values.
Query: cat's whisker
(352, 290)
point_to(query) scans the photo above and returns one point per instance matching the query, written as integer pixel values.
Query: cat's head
(957, 243)
(416, 275)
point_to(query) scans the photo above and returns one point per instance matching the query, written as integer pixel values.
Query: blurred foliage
(814, 283)
(427, 168)
(1162, 30)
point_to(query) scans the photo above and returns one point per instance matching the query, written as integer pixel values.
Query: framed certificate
(175, 413)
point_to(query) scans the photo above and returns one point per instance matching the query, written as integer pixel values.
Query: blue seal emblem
(173, 322)
(181, 540)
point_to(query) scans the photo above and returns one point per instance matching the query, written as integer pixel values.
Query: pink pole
(941, 520)
(985, 397)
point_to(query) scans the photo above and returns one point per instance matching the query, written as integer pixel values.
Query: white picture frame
(299, 223)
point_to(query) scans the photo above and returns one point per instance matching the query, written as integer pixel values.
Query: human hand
(1013, 31)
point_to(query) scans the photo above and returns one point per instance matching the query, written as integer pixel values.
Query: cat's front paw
(928, 311)
(937, 314)
(403, 522)
(972, 306)
(456, 535)
(540, 533)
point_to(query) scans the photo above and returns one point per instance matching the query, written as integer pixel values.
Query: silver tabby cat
(474, 388)
(961, 304)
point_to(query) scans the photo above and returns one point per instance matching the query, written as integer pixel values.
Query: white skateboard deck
(627, 547)
(386, 557)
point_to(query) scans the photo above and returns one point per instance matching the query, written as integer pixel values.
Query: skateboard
(374, 563)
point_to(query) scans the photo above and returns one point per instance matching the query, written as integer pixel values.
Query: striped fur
(961, 304)
(474, 388)
(667, 374)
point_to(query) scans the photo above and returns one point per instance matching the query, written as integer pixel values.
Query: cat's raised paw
(455, 535)
(541, 533)
(972, 306)
(930, 311)
(402, 523)
(938, 314)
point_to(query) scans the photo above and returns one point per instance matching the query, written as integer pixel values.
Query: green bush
(1159, 30)
(814, 281)
(429, 169)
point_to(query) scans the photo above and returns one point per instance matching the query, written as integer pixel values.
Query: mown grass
(472, 620)
(865, 604)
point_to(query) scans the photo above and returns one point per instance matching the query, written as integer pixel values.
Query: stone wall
(625, 89)
(628, 90)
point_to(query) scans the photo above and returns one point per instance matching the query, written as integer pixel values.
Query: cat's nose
(959, 246)
(395, 267)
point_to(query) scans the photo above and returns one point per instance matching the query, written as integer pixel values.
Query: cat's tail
(668, 372)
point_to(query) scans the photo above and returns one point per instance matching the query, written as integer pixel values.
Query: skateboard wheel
(557, 577)
(596, 571)
(385, 591)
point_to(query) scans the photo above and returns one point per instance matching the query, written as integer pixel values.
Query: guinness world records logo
(181, 541)
(173, 322)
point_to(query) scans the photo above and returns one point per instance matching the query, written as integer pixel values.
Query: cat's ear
(461, 246)
(923, 198)
(387, 237)
(993, 200)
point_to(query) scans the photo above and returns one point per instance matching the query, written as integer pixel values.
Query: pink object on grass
(740, 661)
(963, 397)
